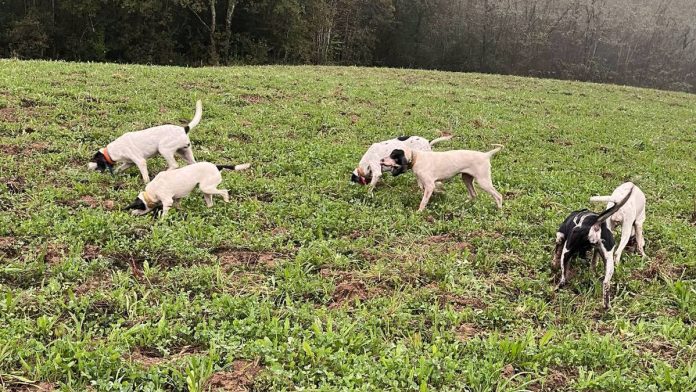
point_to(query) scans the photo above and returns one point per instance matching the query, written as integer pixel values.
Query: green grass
(304, 282)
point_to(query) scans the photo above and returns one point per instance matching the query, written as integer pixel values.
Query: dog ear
(101, 162)
(136, 205)
(400, 157)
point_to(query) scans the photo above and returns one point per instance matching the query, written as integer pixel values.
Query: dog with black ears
(168, 187)
(134, 148)
(369, 170)
(430, 167)
(582, 231)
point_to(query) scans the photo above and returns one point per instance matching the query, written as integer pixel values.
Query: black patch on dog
(403, 138)
(187, 129)
(400, 158)
(137, 205)
(354, 178)
(101, 162)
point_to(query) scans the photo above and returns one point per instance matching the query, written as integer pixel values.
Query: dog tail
(602, 199)
(196, 117)
(497, 148)
(440, 139)
(234, 167)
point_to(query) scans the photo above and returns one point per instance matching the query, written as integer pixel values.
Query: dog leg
(593, 263)
(469, 181)
(376, 175)
(187, 154)
(625, 236)
(609, 272)
(486, 184)
(166, 205)
(208, 199)
(171, 161)
(640, 241)
(123, 166)
(210, 191)
(427, 192)
(142, 166)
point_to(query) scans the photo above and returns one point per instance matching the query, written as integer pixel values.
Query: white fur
(370, 162)
(168, 187)
(430, 167)
(630, 216)
(134, 148)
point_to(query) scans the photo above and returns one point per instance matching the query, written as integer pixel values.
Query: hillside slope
(302, 280)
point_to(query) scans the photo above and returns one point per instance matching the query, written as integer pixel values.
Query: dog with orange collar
(369, 170)
(134, 148)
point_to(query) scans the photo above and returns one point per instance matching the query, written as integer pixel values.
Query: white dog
(430, 167)
(630, 216)
(134, 148)
(168, 187)
(369, 169)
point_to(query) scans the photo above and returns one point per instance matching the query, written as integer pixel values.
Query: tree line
(637, 42)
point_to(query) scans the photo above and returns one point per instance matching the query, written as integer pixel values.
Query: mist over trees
(638, 42)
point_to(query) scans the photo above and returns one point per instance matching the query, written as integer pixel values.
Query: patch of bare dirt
(9, 149)
(90, 252)
(89, 201)
(661, 349)
(94, 283)
(146, 357)
(242, 137)
(658, 266)
(40, 387)
(54, 253)
(8, 115)
(8, 246)
(16, 184)
(347, 292)
(236, 257)
(460, 302)
(508, 371)
(450, 242)
(239, 378)
(467, 331)
(558, 379)
(252, 99)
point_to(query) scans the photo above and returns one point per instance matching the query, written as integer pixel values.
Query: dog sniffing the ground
(431, 167)
(631, 216)
(585, 230)
(369, 170)
(168, 187)
(134, 148)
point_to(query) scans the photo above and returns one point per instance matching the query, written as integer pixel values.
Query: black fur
(187, 129)
(101, 162)
(403, 138)
(354, 178)
(576, 237)
(222, 167)
(137, 204)
(400, 157)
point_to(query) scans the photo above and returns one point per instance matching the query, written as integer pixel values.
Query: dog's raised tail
(497, 148)
(243, 166)
(440, 139)
(196, 117)
(602, 199)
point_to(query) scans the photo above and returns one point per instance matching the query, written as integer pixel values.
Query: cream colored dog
(168, 187)
(630, 216)
(430, 167)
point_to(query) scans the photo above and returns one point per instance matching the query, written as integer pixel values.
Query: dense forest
(638, 42)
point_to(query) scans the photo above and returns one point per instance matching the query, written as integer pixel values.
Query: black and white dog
(369, 170)
(134, 148)
(585, 230)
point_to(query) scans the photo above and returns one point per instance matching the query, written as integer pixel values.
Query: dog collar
(413, 160)
(149, 203)
(107, 157)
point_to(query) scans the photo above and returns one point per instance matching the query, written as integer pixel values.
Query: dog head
(360, 176)
(139, 206)
(99, 162)
(398, 161)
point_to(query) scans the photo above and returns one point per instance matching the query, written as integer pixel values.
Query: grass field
(303, 282)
